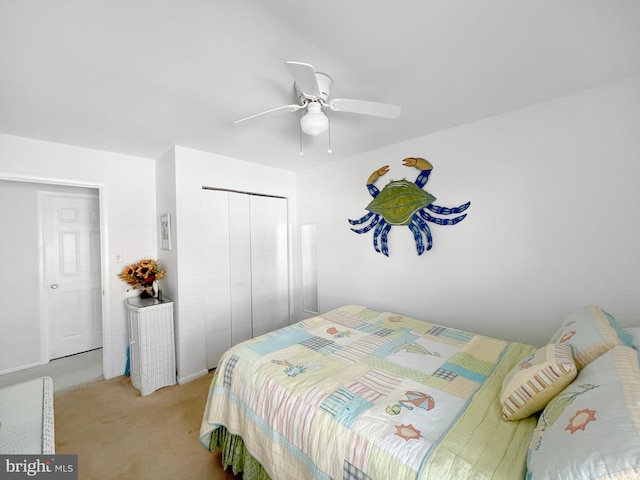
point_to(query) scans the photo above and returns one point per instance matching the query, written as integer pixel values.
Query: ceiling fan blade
(305, 78)
(272, 112)
(365, 107)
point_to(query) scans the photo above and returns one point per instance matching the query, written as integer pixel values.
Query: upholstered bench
(26, 418)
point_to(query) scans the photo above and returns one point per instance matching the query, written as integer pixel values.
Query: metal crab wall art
(404, 203)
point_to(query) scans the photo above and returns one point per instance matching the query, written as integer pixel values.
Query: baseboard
(23, 367)
(193, 376)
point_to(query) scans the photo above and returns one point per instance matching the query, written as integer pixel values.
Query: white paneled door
(73, 300)
(246, 249)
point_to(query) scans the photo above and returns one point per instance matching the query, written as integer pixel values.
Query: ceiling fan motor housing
(324, 85)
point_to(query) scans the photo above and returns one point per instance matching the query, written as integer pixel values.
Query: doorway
(72, 303)
(26, 285)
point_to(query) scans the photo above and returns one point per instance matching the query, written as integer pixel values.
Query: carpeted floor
(119, 434)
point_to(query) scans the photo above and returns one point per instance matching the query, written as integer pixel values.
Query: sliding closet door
(240, 265)
(269, 264)
(216, 285)
(246, 260)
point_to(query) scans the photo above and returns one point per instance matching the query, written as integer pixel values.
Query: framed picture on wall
(165, 231)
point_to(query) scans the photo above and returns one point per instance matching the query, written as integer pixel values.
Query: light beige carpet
(119, 434)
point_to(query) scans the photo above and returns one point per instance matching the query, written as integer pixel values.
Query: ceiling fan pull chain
(300, 127)
(329, 133)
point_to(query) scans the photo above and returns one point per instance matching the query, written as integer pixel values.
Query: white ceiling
(138, 76)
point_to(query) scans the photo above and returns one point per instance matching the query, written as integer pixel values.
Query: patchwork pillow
(635, 336)
(591, 430)
(591, 332)
(530, 385)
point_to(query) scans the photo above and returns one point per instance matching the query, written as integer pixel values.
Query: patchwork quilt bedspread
(361, 394)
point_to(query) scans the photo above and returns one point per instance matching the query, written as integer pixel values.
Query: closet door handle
(53, 286)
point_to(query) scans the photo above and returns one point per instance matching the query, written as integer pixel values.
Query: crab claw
(377, 174)
(419, 163)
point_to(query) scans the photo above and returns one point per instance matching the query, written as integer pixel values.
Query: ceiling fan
(313, 89)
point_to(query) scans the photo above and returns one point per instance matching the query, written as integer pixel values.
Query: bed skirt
(236, 456)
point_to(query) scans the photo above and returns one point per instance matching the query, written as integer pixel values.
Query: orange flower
(140, 275)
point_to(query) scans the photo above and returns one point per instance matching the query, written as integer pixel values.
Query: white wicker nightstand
(152, 345)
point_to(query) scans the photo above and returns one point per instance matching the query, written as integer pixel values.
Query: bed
(358, 394)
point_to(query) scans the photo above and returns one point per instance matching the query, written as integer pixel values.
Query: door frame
(104, 264)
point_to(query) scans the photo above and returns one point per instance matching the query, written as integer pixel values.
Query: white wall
(553, 224)
(22, 343)
(166, 203)
(192, 170)
(19, 325)
(128, 199)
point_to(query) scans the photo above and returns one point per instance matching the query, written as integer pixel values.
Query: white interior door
(269, 264)
(71, 229)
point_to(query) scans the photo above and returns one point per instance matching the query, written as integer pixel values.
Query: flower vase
(146, 291)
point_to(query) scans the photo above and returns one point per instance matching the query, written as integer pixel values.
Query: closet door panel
(269, 264)
(240, 266)
(217, 289)
(246, 258)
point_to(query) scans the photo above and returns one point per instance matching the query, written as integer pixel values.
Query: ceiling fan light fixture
(314, 122)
